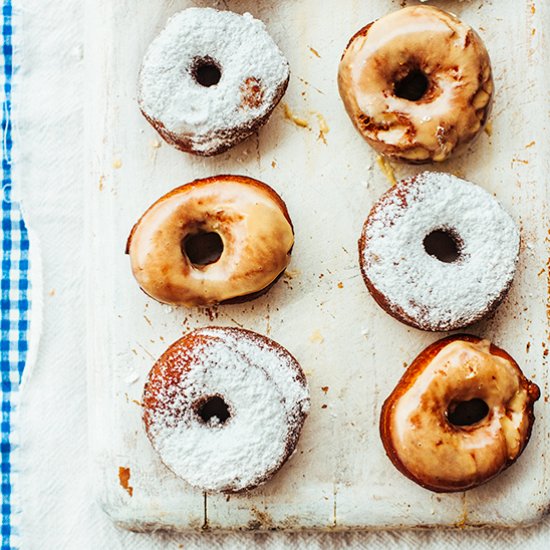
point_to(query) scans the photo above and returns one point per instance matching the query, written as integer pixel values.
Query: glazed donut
(438, 253)
(210, 79)
(417, 84)
(461, 414)
(224, 407)
(215, 240)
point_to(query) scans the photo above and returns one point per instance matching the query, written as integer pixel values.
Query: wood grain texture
(352, 352)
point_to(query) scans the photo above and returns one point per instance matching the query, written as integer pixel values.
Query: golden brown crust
(408, 380)
(455, 104)
(271, 227)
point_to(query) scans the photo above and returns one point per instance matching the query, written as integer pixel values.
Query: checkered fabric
(14, 303)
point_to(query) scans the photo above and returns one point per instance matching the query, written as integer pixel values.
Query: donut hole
(203, 248)
(412, 86)
(213, 407)
(467, 413)
(443, 245)
(206, 71)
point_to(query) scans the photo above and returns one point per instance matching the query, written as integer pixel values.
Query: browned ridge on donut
(223, 239)
(461, 414)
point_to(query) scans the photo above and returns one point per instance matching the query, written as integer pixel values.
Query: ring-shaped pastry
(417, 84)
(460, 415)
(215, 240)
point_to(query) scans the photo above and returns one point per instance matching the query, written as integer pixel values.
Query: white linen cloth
(54, 485)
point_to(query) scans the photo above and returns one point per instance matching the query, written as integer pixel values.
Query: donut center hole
(442, 245)
(203, 248)
(412, 86)
(206, 71)
(213, 407)
(466, 413)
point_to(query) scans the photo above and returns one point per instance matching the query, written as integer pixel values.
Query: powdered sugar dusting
(253, 74)
(267, 397)
(435, 295)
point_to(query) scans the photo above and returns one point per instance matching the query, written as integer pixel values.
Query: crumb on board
(289, 115)
(519, 161)
(340, 284)
(386, 168)
(124, 479)
(314, 52)
(316, 337)
(324, 389)
(52, 292)
(117, 163)
(273, 164)
(488, 129)
(292, 273)
(101, 184)
(323, 127)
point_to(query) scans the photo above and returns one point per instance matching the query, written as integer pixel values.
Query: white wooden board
(340, 477)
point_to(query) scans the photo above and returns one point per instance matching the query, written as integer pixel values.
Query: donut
(210, 79)
(417, 84)
(222, 239)
(461, 414)
(437, 252)
(224, 407)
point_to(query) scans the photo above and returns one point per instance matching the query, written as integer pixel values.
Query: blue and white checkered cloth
(15, 288)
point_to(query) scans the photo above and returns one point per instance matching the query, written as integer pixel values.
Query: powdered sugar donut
(224, 408)
(438, 252)
(210, 79)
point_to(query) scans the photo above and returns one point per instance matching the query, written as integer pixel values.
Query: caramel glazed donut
(417, 84)
(438, 253)
(461, 414)
(210, 79)
(224, 407)
(216, 240)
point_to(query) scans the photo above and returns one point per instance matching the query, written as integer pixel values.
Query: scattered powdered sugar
(433, 294)
(267, 397)
(247, 57)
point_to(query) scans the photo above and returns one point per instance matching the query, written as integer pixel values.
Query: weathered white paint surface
(340, 477)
